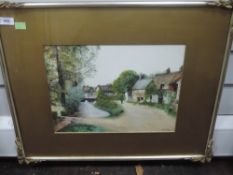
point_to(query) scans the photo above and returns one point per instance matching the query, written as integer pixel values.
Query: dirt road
(136, 118)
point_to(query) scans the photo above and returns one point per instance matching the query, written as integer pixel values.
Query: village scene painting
(114, 88)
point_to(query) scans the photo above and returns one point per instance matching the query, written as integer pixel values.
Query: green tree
(61, 78)
(105, 103)
(101, 98)
(150, 90)
(74, 97)
(65, 65)
(125, 82)
(78, 62)
(52, 74)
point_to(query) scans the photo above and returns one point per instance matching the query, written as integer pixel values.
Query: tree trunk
(61, 80)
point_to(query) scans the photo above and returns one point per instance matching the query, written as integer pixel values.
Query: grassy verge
(82, 128)
(167, 109)
(113, 108)
(108, 104)
(164, 107)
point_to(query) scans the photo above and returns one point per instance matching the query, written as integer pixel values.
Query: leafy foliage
(74, 97)
(165, 107)
(106, 103)
(150, 90)
(66, 65)
(124, 83)
(81, 128)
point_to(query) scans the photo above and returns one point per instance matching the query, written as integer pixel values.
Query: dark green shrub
(107, 104)
(64, 113)
(82, 128)
(54, 114)
(70, 109)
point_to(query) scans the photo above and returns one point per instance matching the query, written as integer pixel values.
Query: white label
(7, 21)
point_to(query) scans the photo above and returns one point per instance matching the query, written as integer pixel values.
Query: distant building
(139, 89)
(107, 89)
(89, 92)
(169, 83)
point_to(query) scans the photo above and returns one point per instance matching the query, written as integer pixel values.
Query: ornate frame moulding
(219, 3)
(205, 149)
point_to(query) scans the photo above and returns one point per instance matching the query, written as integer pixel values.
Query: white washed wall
(229, 73)
(1, 78)
(223, 133)
(4, 107)
(226, 101)
(7, 135)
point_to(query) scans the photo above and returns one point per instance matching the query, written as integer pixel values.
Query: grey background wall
(223, 134)
(226, 103)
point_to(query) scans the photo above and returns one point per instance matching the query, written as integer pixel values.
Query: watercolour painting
(114, 88)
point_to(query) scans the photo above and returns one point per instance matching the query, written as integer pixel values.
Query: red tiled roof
(167, 78)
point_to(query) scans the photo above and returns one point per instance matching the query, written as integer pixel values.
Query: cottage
(138, 90)
(89, 92)
(107, 89)
(169, 83)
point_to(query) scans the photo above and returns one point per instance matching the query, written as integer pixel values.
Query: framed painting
(114, 80)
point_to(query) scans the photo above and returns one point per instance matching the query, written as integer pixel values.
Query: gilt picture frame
(114, 80)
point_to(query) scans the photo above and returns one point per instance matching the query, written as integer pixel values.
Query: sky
(111, 60)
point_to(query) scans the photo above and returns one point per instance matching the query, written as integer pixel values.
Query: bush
(70, 109)
(165, 107)
(107, 104)
(54, 114)
(64, 113)
(113, 109)
(73, 99)
(82, 128)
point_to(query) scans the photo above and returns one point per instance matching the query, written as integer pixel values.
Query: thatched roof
(167, 78)
(141, 84)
